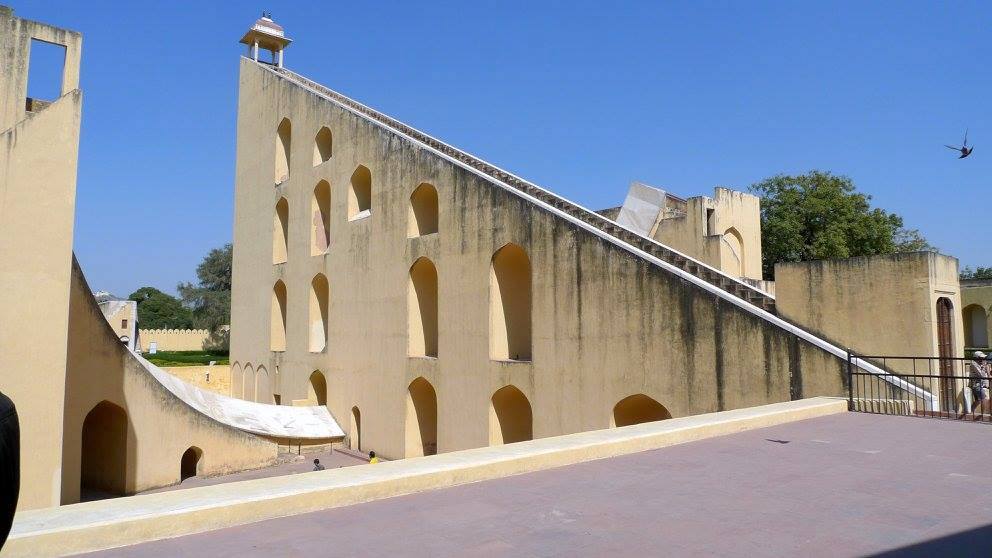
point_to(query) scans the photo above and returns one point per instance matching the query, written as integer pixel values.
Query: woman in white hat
(978, 371)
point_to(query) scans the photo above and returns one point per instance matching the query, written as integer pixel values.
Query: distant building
(122, 315)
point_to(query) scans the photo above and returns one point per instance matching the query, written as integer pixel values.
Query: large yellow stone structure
(435, 302)
(95, 418)
(976, 305)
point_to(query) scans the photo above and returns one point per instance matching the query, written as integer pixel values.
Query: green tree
(978, 273)
(819, 215)
(158, 310)
(210, 298)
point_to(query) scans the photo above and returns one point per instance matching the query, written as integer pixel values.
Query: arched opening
(189, 465)
(263, 389)
(945, 350)
(248, 384)
(422, 309)
(976, 326)
(277, 329)
(421, 419)
(355, 433)
(103, 463)
(510, 417)
(423, 211)
(319, 293)
(732, 252)
(322, 146)
(637, 409)
(280, 232)
(320, 208)
(284, 135)
(317, 388)
(360, 194)
(510, 304)
(237, 376)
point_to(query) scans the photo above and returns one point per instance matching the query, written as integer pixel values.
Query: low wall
(218, 382)
(126, 521)
(173, 339)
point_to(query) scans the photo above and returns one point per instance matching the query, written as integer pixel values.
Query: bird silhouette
(964, 149)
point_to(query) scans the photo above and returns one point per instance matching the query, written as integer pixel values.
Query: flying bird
(964, 149)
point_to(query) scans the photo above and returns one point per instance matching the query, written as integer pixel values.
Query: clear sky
(580, 97)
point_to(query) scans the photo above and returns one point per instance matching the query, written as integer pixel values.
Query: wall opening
(319, 294)
(280, 232)
(320, 208)
(189, 465)
(277, 329)
(421, 419)
(248, 383)
(317, 388)
(103, 463)
(355, 433)
(732, 246)
(360, 193)
(423, 211)
(510, 304)
(422, 309)
(237, 377)
(263, 389)
(976, 326)
(284, 135)
(710, 222)
(945, 350)
(45, 67)
(510, 417)
(637, 409)
(322, 146)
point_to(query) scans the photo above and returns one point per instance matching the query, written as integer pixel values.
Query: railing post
(850, 381)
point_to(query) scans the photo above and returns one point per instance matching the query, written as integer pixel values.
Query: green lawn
(186, 358)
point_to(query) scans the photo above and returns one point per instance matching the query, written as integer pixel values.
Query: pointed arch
(319, 296)
(320, 209)
(263, 387)
(732, 251)
(422, 309)
(636, 409)
(284, 135)
(421, 418)
(360, 193)
(189, 463)
(248, 384)
(280, 232)
(510, 304)
(355, 432)
(322, 144)
(277, 328)
(237, 376)
(103, 463)
(423, 211)
(510, 417)
(317, 388)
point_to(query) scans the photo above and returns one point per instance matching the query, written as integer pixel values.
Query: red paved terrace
(843, 485)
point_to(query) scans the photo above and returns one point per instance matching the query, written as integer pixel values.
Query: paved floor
(844, 485)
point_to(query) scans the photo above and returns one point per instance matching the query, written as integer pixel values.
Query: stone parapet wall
(173, 339)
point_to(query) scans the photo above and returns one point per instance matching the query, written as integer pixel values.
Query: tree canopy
(158, 310)
(819, 215)
(977, 273)
(210, 298)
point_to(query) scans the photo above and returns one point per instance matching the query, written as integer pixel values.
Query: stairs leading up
(709, 274)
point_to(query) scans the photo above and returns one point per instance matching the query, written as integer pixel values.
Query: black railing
(938, 387)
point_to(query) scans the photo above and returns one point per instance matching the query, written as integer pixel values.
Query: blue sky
(580, 97)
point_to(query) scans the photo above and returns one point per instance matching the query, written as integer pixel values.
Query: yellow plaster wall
(605, 324)
(173, 339)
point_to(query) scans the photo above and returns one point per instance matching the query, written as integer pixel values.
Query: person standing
(10, 464)
(978, 372)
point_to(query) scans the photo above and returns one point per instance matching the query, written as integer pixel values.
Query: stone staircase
(660, 251)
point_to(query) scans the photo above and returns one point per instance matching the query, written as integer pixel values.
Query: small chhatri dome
(266, 34)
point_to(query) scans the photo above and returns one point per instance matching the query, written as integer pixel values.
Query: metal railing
(956, 387)
(715, 277)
